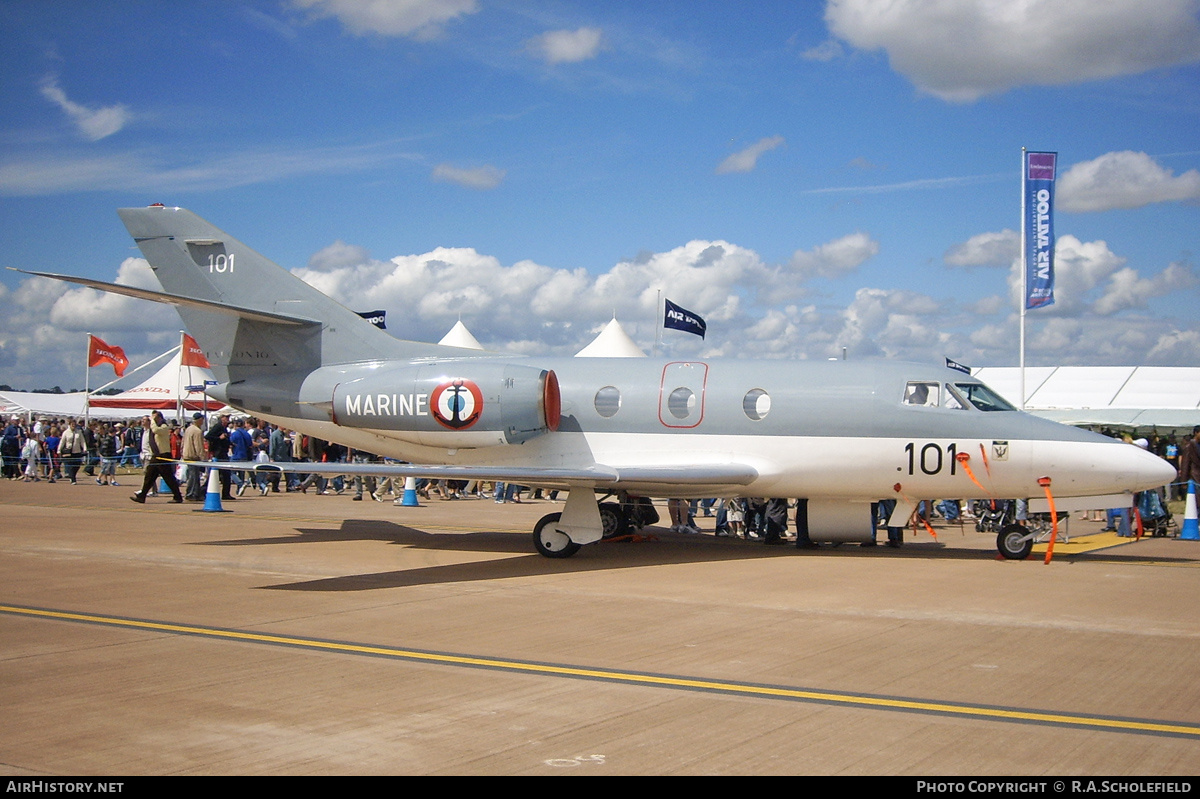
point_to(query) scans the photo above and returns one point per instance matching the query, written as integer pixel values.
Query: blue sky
(810, 177)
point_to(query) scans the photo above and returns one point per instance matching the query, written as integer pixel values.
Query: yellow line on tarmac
(1138, 726)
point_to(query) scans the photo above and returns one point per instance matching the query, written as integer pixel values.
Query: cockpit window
(954, 400)
(922, 393)
(983, 397)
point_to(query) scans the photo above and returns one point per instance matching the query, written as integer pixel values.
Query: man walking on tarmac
(159, 465)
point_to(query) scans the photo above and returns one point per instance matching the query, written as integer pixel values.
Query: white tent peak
(459, 336)
(612, 342)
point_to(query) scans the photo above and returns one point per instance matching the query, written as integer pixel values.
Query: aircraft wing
(177, 299)
(597, 475)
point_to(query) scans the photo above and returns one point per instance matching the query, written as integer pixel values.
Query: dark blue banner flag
(678, 318)
(1039, 171)
(959, 366)
(376, 318)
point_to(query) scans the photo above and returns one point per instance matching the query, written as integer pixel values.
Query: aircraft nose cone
(1152, 471)
(1100, 466)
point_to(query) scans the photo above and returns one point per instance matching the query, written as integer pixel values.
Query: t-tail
(261, 327)
(250, 315)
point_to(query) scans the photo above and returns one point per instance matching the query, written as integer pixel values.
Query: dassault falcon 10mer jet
(839, 434)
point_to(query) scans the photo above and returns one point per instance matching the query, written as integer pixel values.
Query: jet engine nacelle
(455, 404)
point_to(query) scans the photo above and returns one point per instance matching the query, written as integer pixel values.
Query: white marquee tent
(165, 391)
(1166, 397)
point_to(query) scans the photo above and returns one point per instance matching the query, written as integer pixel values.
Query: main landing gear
(559, 535)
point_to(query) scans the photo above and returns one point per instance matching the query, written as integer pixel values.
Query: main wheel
(612, 520)
(1014, 542)
(549, 541)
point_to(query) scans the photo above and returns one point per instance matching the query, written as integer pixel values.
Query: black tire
(549, 542)
(1014, 542)
(613, 520)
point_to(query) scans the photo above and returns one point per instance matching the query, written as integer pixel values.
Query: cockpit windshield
(955, 396)
(983, 397)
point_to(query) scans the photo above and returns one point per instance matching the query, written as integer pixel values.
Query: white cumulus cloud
(419, 19)
(1090, 279)
(995, 248)
(83, 309)
(834, 258)
(960, 50)
(1128, 289)
(1123, 179)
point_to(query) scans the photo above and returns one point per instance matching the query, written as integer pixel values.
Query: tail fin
(250, 315)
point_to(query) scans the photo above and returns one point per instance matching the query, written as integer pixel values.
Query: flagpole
(179, 381)
(658, 324)
(87, 391)
(1024, 277)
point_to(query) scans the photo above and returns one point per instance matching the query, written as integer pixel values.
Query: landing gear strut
(585, 520)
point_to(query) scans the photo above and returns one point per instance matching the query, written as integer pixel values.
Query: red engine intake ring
(551, 401)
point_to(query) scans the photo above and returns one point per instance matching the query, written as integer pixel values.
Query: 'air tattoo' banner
(678, 318)
(377, 318)
(99, 352)
(1039, 229)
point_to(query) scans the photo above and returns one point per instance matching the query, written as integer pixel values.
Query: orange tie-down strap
(1044, 482)
(964, 460)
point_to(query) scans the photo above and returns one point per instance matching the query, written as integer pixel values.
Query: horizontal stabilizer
(176, 299)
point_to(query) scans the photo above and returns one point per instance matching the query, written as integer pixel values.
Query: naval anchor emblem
(456, 404)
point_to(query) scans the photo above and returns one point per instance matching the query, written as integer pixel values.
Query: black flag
(678, 318)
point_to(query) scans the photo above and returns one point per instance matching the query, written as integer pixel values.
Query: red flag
(192, 354)
(99, 352)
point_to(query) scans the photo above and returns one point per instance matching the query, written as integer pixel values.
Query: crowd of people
(70, 449)
(73, 449)
(61, 449)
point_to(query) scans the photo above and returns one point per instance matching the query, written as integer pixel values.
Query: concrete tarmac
(304, 634)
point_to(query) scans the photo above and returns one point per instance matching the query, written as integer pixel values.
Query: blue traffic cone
(212, 499)
(1191, 527)
(409, 498)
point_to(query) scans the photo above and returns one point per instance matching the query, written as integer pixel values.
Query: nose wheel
(549, 541)
(1014, 542)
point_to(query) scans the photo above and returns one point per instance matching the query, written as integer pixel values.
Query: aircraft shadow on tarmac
(662, 548)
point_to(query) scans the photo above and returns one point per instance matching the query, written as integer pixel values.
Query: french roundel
(456, 404)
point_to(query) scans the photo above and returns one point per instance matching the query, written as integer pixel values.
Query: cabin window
(608, 401)
(920, 392)
(756, 404)
(680, 402)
